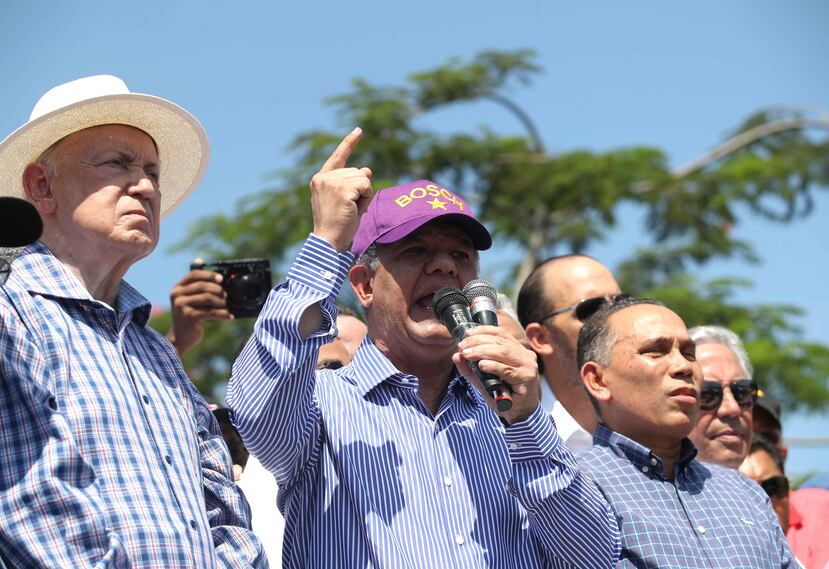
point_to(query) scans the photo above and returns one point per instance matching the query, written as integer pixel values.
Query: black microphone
(19, 222)
(452, 309)
(20, 225)
(482, 296)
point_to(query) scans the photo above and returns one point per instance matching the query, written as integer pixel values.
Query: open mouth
(425, 302)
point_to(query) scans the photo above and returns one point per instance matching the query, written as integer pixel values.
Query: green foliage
(554, 204)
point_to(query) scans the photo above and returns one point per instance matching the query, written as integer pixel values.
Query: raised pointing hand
(340, 194)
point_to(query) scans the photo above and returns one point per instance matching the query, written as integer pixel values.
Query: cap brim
(481, 239)
(183, 149)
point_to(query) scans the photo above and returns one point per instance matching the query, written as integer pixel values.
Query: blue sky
(616, 74)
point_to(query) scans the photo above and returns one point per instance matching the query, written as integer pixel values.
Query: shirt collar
(639, 455)
(370, 368)
(45, 275)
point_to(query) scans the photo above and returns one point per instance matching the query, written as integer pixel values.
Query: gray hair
(47, 158)
(727, 338)
(370, 257)
(504, 304)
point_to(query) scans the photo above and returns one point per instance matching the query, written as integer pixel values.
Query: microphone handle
(494, 385)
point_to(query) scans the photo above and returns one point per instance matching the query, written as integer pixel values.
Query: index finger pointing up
(341, 154)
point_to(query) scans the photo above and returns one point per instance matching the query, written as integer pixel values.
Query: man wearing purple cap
(398, 460)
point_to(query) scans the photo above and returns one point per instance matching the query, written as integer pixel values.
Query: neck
(666, 448)
(669, 455)
(574, 399)
(98, 274)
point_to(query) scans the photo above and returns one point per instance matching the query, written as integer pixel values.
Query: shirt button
(146, 399)
(168, 459)
(193, 524)
(645, 469)
(653, 461)
(459, 539)
(513, 446)
(404, 380)
(447, 481)
(327, 275)
(701, 528)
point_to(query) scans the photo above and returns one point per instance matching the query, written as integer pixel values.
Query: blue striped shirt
(706, 516)
(368, 477)
(115, 460)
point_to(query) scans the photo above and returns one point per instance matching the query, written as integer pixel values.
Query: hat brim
(481, 239)
(183, 149)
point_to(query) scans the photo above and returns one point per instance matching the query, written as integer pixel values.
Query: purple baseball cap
(398, 211)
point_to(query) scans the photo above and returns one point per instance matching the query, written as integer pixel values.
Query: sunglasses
(776, 486)
(587, 307)
(743, 390)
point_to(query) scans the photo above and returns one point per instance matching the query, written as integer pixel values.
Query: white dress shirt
(573, 435)
(267, 522)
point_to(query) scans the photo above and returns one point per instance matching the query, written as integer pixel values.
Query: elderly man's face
(722, 435)
(401, 319)
(104, 181)
(653, 379)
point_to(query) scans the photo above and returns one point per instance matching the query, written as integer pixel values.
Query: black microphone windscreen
(20, 223)
(446, 297)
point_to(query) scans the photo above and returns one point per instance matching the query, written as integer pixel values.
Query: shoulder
(728, 480)
(810, 499)
(594, 460)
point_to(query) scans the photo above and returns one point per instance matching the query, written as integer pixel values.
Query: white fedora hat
(103, 99)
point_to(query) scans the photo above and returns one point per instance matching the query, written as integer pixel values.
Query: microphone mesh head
(446, 297)
(480, 287)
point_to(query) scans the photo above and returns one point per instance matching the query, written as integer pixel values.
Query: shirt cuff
(320, 267)
(535, 438)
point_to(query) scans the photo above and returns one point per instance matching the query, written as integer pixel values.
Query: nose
(443, 262)
(728, 406)
(681, 366)
(142, 185)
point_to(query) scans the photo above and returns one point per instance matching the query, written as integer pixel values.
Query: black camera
(247, 283)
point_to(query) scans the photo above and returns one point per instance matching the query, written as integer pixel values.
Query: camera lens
(246, 292)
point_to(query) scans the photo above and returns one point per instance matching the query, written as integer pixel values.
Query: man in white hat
(130, 469)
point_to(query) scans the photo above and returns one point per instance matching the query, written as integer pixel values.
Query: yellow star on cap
(436, 203)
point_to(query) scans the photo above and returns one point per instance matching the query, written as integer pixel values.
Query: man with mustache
(722, 434)
(639, 367)
(398, 459)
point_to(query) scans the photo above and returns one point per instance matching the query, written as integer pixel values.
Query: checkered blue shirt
(707, 516)
(368, 477)
(109, 457)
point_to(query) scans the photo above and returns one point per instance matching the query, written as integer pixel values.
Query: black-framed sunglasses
(587, 307)
(743, 390)
(776, 486)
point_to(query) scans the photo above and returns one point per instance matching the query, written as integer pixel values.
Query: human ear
(539, 339)
(38, 188)
(360, 278)
(595, 381)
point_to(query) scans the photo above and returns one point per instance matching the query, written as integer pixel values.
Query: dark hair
(533, 302)
(596, 337)
(760, 442)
